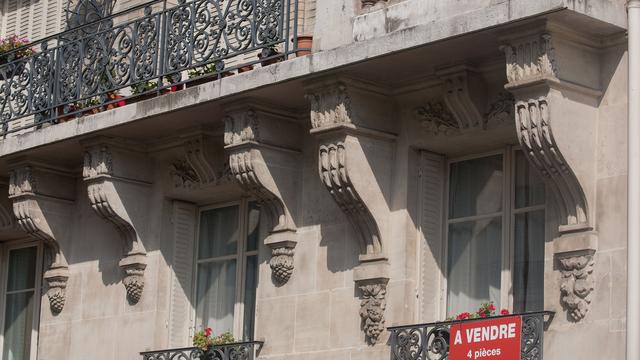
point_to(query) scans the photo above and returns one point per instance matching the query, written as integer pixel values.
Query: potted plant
(245, 68)
(143, 90)
(206, 341)
(303, 45)
(202, 74)
(269, 56)
(7, 55)
(172, 79)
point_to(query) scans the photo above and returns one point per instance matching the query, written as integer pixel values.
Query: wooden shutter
(184, 233)
(34, 19)
(432, 195)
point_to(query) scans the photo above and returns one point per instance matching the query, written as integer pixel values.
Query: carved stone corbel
(111, 173)
(548, 139)
(465, 96)
(350, 120)
(262, 143)
(40, 197)
(198, 168)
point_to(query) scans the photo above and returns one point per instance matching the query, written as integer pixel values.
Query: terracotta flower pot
(304, 43)
(269, 56)
(245, 68)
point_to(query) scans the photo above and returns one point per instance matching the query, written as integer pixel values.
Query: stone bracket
(465, 96)
(548, 139)
(197, 168)
(261, 144)
(356, 145)
(110, 172)
(39, 195)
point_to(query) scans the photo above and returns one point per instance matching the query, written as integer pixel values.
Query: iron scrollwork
(237, 351)
(431, 341)
(100, 53)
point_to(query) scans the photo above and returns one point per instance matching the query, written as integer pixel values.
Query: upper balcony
(147, 50)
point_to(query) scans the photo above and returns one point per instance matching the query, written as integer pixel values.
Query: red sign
(491, 339)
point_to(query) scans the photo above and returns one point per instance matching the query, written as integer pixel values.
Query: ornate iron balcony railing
(431, 341)
(236, 351)
(145, 49)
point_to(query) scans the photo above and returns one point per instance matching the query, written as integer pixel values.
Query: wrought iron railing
(236, 351)
(431, 341)
(147, 49)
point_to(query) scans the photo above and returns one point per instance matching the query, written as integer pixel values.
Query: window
(495, 232)
(21, 283)
(227, 268)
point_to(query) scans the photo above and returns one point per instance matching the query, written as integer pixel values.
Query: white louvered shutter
(432, 188)
(184, 234)
(34, 19)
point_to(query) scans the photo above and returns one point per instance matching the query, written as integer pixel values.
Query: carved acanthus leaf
(577, 284)
(436, 119)
(330, 106)
(530, 58)
(500, 110)
(372, 305)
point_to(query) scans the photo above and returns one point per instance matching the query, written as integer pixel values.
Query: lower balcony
(474, 339)
(248, 350)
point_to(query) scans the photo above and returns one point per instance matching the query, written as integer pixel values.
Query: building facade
(171, 166)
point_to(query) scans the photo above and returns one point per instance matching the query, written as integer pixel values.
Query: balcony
(431, 341)
(236, 351)
(141, 52)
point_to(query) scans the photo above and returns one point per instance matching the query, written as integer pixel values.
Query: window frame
(5, 249)
(508, 214)
(241, 262)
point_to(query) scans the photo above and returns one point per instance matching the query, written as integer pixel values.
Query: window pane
(17, 327)
(218, 232)
(250, 296)
(253, 226)
(474, 264)
(475, 187)
(528, 277)
(216, 295)
(22, 269)
(529, 185)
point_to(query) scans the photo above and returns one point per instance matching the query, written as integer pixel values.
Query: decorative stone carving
(350, 120)
(540, 93)
(6, 219)
(196, 168)
(500, 110)
(577, 284)
(103, 185)
(32, 209)
(437, 119)
(250, 161)
(281, 263)
(372, 308)
(530, 58)
(464, 94)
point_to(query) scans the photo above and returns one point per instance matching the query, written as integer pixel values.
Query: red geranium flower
(504, 312)
(462, 316)
(491, 307)
(208, 331)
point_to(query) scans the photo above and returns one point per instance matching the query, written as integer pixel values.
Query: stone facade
(335, 147)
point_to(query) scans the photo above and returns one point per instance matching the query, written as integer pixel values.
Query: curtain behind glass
(216, 295)
(19, 305)
(475, 245)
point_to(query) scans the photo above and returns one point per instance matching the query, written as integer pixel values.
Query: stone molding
(36, 199)
(350, 121)
(197, 168)
(540, 93)
(267, 171)
(105, 187)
